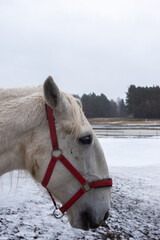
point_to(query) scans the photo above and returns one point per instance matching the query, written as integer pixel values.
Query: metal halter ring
(56, 153)
(57, 213)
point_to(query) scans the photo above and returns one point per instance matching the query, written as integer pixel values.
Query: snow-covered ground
(26, 210)
(131, 152)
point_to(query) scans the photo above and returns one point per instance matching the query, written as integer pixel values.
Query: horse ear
(51, 92)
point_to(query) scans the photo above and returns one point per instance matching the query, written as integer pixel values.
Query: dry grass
(122, 121)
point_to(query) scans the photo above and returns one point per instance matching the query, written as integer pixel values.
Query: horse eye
(85, 140)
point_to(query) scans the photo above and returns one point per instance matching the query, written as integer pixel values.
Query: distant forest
(141, 102)
(99, 106)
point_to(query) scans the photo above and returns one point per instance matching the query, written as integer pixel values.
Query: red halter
(85, 185)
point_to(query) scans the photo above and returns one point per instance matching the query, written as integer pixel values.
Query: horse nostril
(88, 221)
(106, 216)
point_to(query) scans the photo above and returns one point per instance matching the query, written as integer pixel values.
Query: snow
(131, 152)
(134, 164)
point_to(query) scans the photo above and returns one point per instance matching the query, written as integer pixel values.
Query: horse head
(79, 144)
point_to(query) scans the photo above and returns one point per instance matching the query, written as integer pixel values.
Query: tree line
(98, 106)
(141, 102)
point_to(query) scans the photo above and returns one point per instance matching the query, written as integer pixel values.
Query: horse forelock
(79, 119)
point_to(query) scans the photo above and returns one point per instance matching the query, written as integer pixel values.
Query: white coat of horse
(25, 144)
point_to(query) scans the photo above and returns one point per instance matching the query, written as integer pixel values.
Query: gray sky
(99, 46)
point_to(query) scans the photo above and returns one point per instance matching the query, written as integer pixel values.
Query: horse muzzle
(87, 220)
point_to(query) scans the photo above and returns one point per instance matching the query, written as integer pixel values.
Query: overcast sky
(100, 46)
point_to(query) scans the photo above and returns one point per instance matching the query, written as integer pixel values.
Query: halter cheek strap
(57, 155)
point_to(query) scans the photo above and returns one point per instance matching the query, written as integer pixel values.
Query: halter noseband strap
(57, 155)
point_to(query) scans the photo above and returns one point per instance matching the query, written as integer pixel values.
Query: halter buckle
(87, 187)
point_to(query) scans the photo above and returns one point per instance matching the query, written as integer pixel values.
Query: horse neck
(20, 114)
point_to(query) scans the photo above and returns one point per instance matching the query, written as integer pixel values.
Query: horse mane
(12, 93)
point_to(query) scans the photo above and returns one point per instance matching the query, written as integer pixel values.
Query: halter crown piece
(85, 185)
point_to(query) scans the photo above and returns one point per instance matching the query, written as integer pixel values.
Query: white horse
(25, 143)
